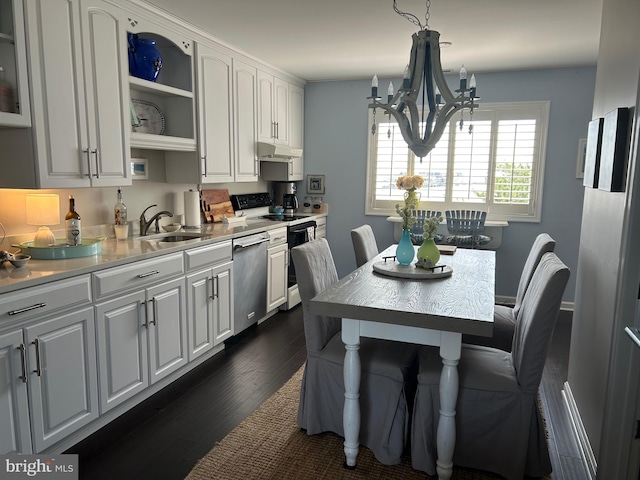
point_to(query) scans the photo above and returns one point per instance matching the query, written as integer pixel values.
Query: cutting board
(215, 204)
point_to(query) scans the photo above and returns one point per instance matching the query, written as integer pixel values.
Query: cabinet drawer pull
(148, 274)
(153, 312)
(26, 309)
(38, 370)
(96, 152)
(23, 362)
(88, 152)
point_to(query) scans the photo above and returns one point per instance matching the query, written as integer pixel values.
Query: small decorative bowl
(278, 210)
(172, 227)
(19, 260)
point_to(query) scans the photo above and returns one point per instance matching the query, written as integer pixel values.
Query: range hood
(271, 151)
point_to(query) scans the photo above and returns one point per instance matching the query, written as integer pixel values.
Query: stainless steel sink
(177, 238)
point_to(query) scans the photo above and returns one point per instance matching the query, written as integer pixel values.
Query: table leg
(446, 434)
(352, 373)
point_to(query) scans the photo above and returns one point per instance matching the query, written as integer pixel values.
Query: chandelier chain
(412, 18)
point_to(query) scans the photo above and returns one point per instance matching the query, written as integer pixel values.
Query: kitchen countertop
(135, 248)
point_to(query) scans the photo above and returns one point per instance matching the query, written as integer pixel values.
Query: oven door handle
(301, 230)
(241, 246)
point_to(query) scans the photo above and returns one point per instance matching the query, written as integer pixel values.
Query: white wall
(601, 377)
(336, 136)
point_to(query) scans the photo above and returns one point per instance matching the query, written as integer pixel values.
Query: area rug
(269, 445)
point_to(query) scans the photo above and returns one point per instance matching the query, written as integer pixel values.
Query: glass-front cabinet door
(14, 90)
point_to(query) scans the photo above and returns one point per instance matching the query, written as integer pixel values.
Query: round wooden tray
(391, 268)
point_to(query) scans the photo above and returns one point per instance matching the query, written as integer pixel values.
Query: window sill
(492, 228)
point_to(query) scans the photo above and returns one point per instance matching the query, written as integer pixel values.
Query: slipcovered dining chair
(499, 425)
(505, 317)
(387, 367)
(466, 228)
(364, 244)
(417, 230)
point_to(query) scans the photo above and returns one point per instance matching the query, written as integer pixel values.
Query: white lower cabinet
(15, 435)
(48, 374)
(142, 337)
(277, 267)
(209, 301)
(61, 376)
(277, 276)
(209, 296)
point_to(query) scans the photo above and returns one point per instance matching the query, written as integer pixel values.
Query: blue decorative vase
(405, 251)
(145, 60)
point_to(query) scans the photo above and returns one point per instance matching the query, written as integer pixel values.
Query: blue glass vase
(145, 60)
(405, 251)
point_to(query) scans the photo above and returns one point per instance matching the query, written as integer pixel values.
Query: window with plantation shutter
(493, 161)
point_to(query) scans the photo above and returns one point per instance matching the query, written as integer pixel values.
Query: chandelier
(423, 105)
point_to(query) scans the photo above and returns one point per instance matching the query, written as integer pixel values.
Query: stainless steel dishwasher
(249, 280)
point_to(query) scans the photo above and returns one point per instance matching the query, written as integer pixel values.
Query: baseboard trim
(586, 452)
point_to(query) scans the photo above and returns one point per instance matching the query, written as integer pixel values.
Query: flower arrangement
(430, 226)
(409, 183)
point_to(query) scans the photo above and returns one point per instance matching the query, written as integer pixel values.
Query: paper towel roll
(192, 209)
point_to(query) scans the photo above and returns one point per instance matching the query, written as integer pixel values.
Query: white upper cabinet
(215, 115)
(273, 109)
(164, 107)
(14, 86)
(79, 96)
(245, 103)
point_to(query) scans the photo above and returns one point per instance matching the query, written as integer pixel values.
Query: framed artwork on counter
(139, 169)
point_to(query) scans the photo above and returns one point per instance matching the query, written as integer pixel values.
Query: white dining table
(427, 312)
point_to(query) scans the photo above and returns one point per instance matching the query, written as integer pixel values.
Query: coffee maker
(284, 193)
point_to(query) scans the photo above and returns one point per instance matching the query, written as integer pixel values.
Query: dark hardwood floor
(164, 437)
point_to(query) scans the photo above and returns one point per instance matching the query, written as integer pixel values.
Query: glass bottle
(72, 224)
(120, 210)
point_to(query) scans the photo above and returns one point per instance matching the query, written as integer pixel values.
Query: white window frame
(516, 110)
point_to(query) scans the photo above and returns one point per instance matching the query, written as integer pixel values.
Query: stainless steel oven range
(299, 230)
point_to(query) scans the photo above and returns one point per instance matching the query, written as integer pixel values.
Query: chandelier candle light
(424, 104)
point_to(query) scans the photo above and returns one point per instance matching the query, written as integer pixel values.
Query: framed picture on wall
(315, 183)
(592, 153)
(613, 155)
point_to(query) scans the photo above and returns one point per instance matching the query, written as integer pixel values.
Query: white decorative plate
(150, 116)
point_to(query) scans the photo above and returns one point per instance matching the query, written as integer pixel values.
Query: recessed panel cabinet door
(215, 115)
(200, 313)
(167, 314)
(277, 276)
(122, 349)
(15, 436)
(106, 69)
(223, 302)
(245, 116)
(62, 376)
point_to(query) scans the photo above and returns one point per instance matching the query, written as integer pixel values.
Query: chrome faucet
(145, 224)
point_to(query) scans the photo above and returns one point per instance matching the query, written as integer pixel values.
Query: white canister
(317, 204)
(306, 205)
